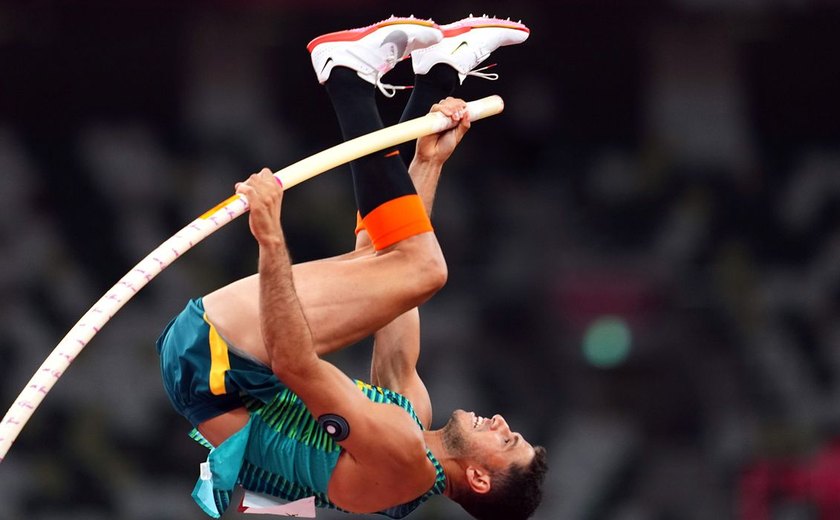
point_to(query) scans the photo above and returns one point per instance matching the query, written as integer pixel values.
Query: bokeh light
(607, 342)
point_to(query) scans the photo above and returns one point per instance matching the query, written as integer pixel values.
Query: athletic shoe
(468, 42)
(374, 50)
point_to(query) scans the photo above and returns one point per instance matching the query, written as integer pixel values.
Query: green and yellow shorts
(204, 376)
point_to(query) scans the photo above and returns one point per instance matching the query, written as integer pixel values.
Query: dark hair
(514, 494)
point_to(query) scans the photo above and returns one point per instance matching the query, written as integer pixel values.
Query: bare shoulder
(394, 470)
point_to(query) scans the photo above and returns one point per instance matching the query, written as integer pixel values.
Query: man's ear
(478, 479)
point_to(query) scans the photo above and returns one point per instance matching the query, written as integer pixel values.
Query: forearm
(286, 332)
(425, 174)
(396, 349)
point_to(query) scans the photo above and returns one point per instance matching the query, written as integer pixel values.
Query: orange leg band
(396, 220)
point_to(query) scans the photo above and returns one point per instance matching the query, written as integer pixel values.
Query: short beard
(453, 438)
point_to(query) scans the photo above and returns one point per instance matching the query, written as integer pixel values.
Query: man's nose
(498, 423)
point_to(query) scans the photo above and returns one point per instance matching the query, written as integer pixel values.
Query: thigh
(347, 302)
(344, 299)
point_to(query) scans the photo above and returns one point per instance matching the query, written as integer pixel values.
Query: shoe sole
(352, 35)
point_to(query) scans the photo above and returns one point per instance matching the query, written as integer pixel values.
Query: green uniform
(282, 451)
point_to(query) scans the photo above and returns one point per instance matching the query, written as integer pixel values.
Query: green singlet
(285, 453)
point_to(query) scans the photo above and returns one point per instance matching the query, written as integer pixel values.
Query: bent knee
(436, 273)
(422, 268)
(429, 270)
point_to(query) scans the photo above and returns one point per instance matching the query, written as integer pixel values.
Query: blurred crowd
(671, 168)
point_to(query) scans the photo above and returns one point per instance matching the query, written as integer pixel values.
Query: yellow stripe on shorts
(219, 360)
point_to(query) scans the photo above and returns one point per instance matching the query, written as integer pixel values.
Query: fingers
(262, 181)
(267, 175)
(264, 194)
(455, 109)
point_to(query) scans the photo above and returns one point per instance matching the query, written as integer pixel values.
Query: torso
(349, 484)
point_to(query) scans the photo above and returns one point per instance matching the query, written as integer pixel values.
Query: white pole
(155, 262)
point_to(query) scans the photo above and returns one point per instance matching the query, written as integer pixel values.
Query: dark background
(644, 248)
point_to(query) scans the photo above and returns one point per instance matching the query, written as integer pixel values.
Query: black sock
(380, 176)
(439, 83)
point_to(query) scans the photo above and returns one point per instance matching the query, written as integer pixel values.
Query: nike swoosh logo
(399, 39)
(325, 65)
(462, 44)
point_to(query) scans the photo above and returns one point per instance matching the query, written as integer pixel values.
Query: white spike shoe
(374, 50)
(468, 42)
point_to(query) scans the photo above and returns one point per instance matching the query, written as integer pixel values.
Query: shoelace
(387, 89)
(492, 76)
(390, 91)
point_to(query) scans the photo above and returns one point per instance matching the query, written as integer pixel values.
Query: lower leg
(378, 177)
(385, 195)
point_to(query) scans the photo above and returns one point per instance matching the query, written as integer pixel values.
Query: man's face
(489, 442)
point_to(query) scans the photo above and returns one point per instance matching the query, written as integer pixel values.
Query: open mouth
(478, 421)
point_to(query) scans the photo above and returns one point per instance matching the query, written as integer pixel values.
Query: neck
(451, 465)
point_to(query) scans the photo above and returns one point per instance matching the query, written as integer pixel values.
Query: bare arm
(396, 350)
(292, 355)
(286, 333)
(434, 150)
